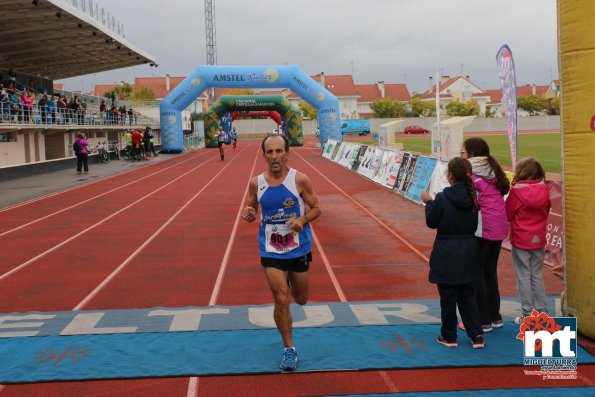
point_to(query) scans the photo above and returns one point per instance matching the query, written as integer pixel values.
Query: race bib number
(280, 238)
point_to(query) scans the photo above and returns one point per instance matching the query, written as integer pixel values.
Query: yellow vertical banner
(576, 35)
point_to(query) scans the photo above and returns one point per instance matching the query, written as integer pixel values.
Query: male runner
(284, 235)
(221, 141)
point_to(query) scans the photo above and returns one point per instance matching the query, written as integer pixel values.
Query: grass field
(545, 147)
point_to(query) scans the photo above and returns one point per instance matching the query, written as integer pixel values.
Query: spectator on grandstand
(130, 115)
(123, 114)
(115, 115)
(4, 104)
(43, 105)
(15, 108)
(61, 106)
(27, 101)
(52, 109)
(102, 112)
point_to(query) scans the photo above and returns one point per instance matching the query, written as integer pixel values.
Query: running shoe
(442, 340)
(497, 324)
(485, 327)
(478, 342)
(519, 320)
(289, 361)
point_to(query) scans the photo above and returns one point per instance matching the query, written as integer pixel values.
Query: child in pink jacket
(527, 209)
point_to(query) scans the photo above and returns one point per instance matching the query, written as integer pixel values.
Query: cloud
(391, 40)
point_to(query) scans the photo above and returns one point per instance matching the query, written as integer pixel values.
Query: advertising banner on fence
(421, 178)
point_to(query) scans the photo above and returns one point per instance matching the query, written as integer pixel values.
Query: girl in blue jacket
(453, 262)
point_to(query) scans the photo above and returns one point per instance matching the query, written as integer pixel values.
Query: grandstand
(45, 40)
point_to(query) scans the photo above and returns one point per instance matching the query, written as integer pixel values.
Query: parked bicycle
(113, 147)
(126, 153)
(103, 154)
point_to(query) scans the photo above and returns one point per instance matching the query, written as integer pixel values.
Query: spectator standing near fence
(453, 262)
(82, 153)
(491, 185)
(527, 208)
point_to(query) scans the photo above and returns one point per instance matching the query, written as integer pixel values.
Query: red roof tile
(496, 95)
(101, 89)
(368, 92)
(398, 92)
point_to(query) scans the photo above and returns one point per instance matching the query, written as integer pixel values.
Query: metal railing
(17, 113)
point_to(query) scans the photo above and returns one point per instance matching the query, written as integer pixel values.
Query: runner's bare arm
(307, 193)
(249, 211)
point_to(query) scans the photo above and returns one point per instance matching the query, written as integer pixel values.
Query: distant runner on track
(284, 234)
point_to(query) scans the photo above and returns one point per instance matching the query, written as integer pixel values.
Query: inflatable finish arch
(577, 57)
(204, 77)
(229, 103)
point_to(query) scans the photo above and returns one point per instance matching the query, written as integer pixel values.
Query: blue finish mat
(538, 392)
(110, 356)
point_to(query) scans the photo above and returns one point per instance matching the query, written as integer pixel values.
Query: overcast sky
(397, 41)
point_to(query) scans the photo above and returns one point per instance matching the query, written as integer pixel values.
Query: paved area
(22, 189)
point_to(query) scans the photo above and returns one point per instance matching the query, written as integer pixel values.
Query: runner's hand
(249, 213)
(296, 224)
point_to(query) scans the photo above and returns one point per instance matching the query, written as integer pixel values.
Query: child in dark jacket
(527, 209)
(453, 262)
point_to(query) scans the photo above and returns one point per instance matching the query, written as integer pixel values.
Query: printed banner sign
(508, 83)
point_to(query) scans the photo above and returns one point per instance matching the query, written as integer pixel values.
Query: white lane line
(87, 200)
(11, 207)
(135, 253)
(383, 374)
(64, 242)
(328, 266)
(193, 382)
(378, 220)
(147, 241)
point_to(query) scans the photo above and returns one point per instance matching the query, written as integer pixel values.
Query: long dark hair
(460, 170)
(478, 147)
(528, 168)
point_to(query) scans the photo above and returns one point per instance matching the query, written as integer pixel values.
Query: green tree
(419, 108)
(489, 113)
(387, 108)
(553, 106)
(143, 94)
(122, 91)
(467, 108)
(308, 111)
(532, 104)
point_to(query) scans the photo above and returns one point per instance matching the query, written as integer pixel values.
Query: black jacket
(454, 258)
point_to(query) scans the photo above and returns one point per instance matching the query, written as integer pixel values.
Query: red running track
(169, 234)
